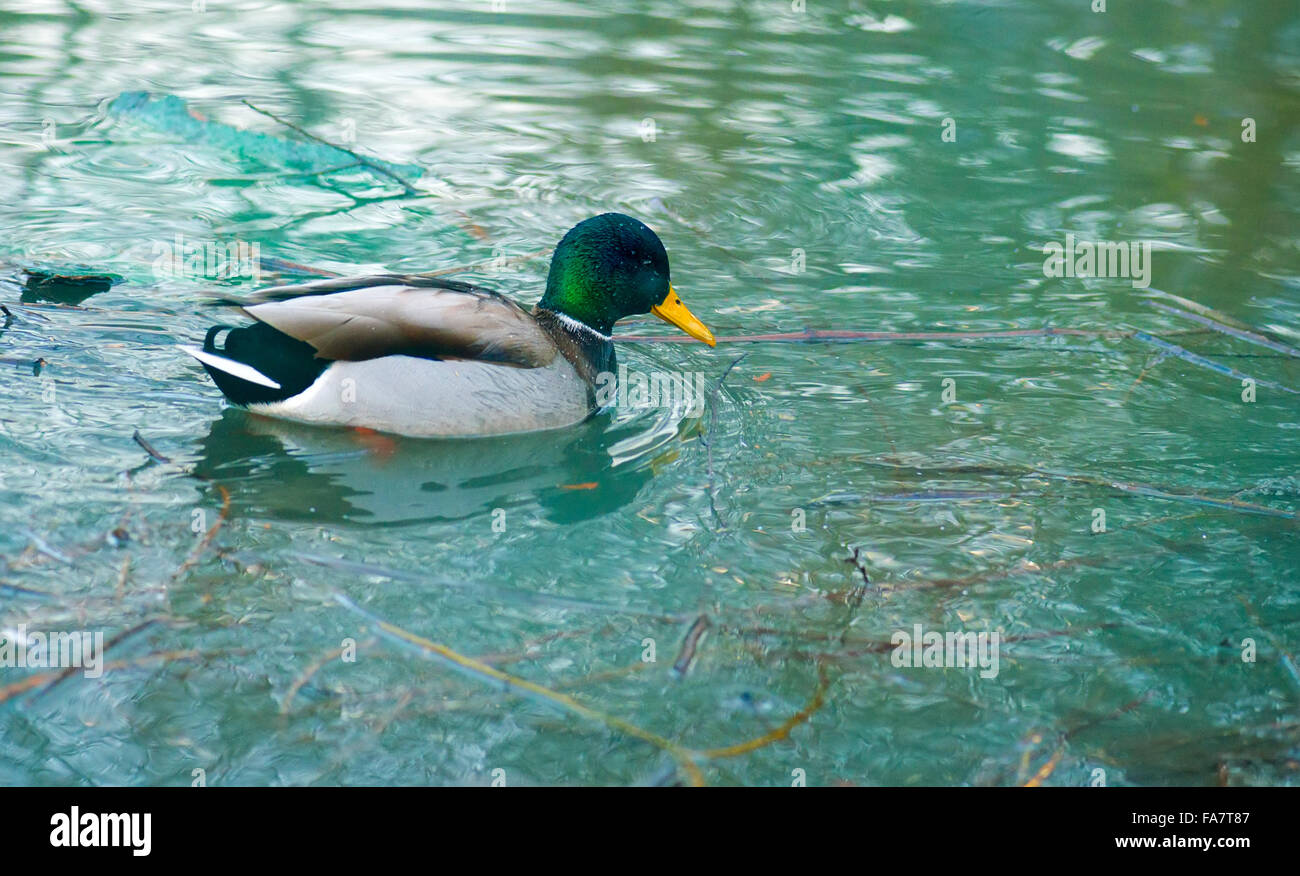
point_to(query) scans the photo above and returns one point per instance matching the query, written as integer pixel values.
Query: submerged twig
(1288, 662)
(6, 587)
(1045, 771)
(116, 640)
(312, 668)
(42, 546)
(1148, 490)
(482, 671)
(1188, 304)
(9, 691)
(122, 573)
(867, 647)
(1196, 359)
(694, 636)
(1239, 333)
(782, 732)
(193, 558)
(687, 759)
(1152, 363)
(858, 592)
(148, 448)
(360, 159)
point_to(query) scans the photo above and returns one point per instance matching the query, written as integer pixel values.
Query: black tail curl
(289, 362)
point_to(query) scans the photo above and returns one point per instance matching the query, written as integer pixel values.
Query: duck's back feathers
(344, 284)
(370, 317)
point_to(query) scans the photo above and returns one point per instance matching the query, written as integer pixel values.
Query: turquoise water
(883, 167)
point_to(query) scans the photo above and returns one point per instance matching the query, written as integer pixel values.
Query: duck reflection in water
(288, 471)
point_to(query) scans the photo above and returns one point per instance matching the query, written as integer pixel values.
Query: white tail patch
(231, 367)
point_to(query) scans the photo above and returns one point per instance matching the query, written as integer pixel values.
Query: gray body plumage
(435, 398)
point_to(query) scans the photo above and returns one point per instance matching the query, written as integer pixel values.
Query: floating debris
(148, 448)
(170, 114)
(1239, 333)
(64, 284)
(694, 636)
(44, 547)
(859, 592)
(688, 760)
(1196, 359)
(35, 364)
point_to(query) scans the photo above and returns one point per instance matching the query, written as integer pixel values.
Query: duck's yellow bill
(672, 310)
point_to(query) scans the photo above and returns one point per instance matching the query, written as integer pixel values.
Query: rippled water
(795, 164)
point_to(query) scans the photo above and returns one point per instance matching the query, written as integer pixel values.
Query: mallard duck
(429, 357)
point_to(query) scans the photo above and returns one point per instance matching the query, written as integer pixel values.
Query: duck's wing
(359, 318)
(343, 284)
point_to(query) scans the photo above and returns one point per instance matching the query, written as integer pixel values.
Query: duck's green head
(611, 266)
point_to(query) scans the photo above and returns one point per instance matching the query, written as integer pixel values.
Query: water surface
(796, 167)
